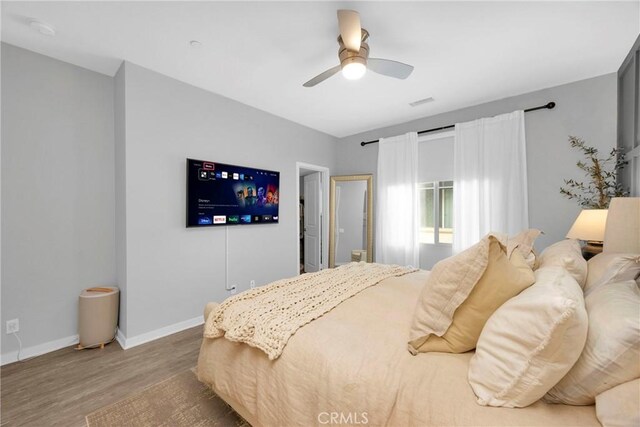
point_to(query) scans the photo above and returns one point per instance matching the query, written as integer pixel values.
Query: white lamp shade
(589, 225)
(623, 226)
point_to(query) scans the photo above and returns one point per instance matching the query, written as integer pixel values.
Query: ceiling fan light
(354, 70)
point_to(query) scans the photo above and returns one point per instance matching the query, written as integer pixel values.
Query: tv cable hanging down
(231, 289)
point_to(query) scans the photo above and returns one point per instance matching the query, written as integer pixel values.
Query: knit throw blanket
(266, 317)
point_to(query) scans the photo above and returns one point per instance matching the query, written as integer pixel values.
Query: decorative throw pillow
(611, 267)
(611, 355)
(620, 406)
(568, 255)
(530, 342)
(501, 280)
(449, 284)
(523, 242)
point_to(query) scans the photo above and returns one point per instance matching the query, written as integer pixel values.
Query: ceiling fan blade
(322, 76)
(350, 29)
(389, 68)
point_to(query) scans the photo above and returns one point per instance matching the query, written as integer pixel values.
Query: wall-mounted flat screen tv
(219, 194)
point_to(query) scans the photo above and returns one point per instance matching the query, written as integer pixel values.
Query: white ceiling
(260, 53)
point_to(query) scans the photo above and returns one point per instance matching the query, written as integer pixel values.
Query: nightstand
(591, 249)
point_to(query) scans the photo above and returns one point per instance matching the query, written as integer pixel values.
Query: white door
(312, 222)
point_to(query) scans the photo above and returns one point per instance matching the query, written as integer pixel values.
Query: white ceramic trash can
(98, 316)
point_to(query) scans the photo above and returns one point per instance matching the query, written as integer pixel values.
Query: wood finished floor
(62, 387)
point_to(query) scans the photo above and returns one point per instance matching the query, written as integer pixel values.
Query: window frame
(436, 209)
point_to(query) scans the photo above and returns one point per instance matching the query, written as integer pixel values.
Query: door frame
(324, 203)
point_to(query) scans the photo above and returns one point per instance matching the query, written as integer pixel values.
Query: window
(436, 212)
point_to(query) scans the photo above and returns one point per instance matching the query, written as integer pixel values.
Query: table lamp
(590, 226)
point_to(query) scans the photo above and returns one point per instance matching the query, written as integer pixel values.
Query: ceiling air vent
(421, 101)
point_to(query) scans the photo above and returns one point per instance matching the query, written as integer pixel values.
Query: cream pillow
(530, 342)
(523, 242)
(502, 280)
(611, 267)
(568, 255)
(620, 406)
(611, 355)
(449, 284)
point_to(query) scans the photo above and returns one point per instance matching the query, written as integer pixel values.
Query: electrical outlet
(252, 284)
(13, 325)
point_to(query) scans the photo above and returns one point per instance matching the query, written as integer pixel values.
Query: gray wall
(93, 192)
(57, 193)
(171, 271)
(585, 108)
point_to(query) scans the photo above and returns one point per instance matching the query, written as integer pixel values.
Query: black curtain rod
(548, 106)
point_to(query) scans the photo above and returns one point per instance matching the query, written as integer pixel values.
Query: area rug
(178, 401)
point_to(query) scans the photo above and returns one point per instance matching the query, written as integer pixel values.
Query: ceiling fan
(354, 54)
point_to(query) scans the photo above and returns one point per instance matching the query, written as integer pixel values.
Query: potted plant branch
(595, 192)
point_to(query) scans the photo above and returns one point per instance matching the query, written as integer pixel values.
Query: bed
(351, 366)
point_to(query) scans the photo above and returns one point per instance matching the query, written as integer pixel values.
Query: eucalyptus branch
(602, 174)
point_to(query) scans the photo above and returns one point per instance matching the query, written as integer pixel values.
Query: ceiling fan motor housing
(347, 56)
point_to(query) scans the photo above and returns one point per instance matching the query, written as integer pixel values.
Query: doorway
(313, 228)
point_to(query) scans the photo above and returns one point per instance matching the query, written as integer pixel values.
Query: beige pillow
(611, 267)
(449, 284)
(620, 406)
(530, 342)
(523, 242)
(501, 280)
(568, 255)
(611, 355)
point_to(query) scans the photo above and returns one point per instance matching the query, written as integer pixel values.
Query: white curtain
(490, 178)
(397, 201)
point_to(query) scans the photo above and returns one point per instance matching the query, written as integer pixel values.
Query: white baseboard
(37, 350)
(122, 340)
(127, 343)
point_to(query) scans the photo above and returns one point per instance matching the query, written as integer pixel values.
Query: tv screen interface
(220, 194)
